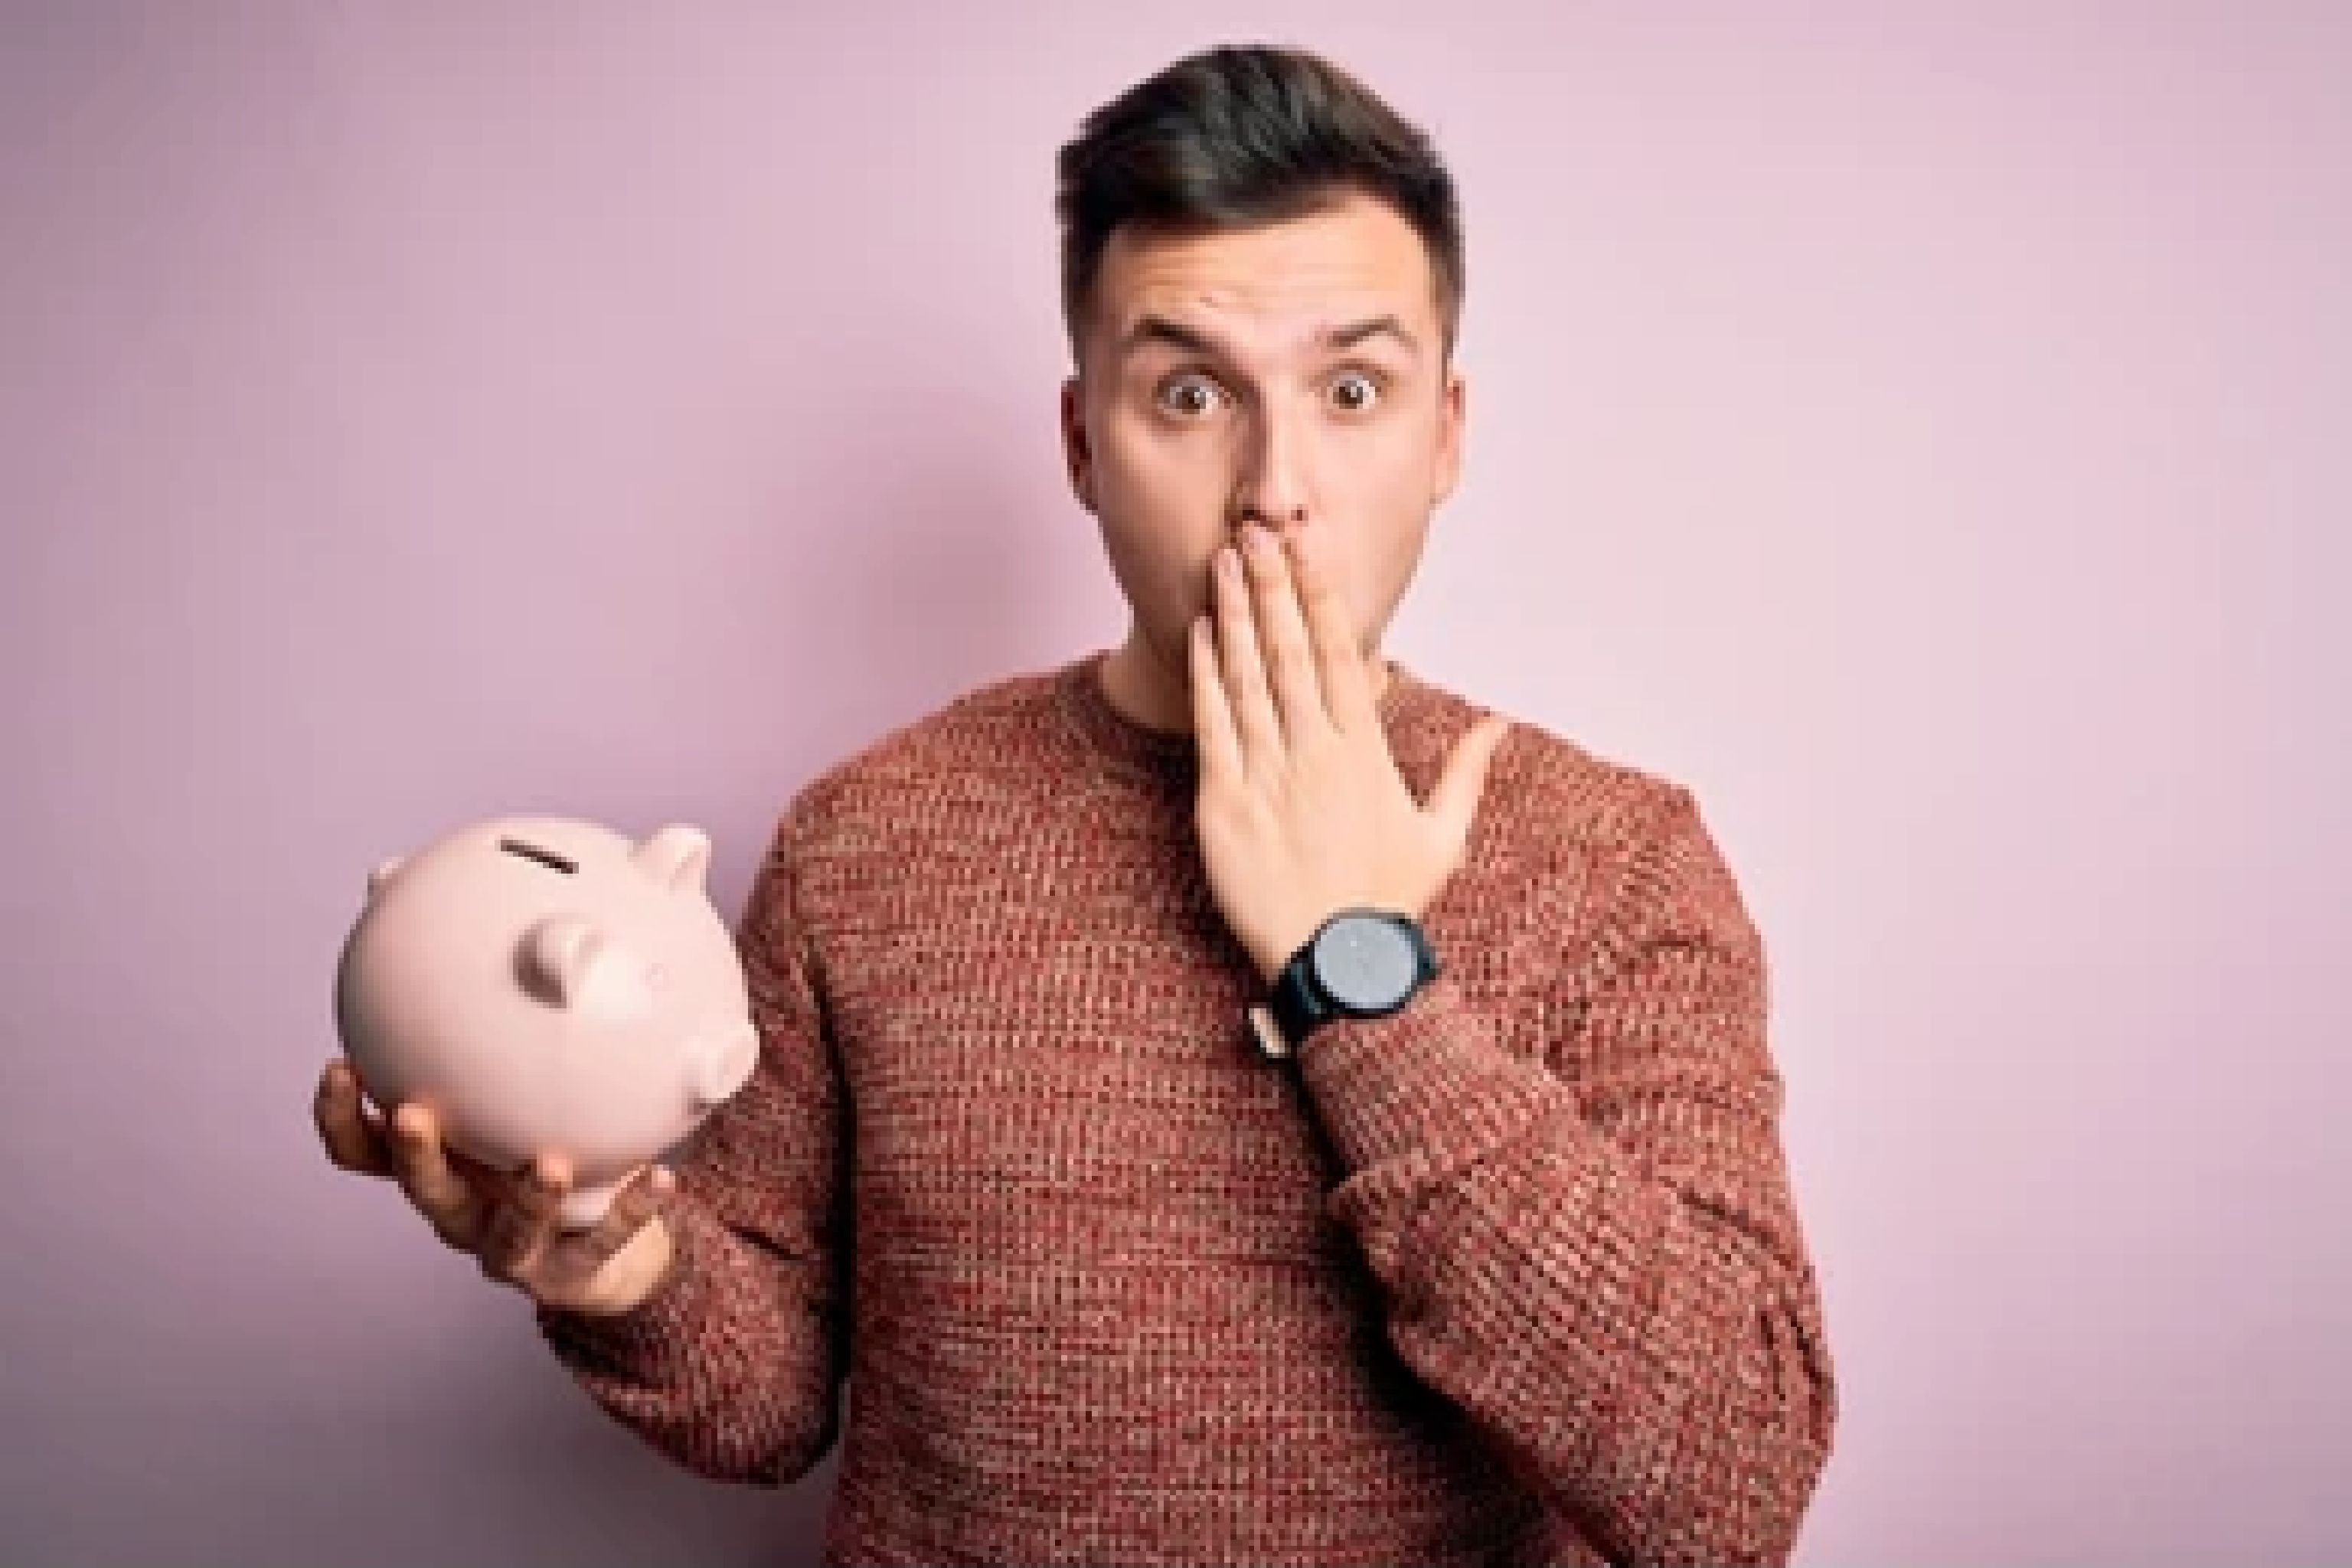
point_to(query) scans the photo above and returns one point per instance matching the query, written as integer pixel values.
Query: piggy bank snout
(723, 1066)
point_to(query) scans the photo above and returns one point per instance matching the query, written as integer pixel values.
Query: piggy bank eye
(547, 857)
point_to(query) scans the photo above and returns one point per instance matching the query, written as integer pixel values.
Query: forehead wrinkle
(1322, 334)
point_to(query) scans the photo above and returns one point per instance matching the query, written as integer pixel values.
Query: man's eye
(1189, 396)
(1356, 391)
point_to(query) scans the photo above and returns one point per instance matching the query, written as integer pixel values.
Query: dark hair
(1236, 138)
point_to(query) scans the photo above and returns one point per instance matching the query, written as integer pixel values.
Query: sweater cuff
(649, 1343)
(1427, 1082)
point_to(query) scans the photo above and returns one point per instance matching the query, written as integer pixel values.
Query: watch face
(1365, 965)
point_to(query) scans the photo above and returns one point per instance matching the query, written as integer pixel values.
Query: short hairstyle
(1241, 137)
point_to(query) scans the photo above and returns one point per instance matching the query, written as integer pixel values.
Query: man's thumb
(1454, 800)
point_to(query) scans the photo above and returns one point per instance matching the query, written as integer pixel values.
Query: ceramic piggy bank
(546, 986)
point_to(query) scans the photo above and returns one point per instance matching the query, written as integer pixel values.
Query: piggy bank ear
(381, 875)
(559, 956)
(676, 857)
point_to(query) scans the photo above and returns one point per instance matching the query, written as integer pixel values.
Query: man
(1226, 1098)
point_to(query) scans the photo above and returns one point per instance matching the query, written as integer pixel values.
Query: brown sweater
(1513, 1277)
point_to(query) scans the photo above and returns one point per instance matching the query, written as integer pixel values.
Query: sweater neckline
(1171, 755)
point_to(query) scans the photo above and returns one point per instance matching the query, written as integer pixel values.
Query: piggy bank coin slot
(547, 857)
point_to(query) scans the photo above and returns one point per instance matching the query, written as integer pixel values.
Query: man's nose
(1270, 484)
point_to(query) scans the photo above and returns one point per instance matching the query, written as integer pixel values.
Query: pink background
(1921, 428)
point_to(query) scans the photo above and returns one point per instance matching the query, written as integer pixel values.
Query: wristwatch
(1359, 964)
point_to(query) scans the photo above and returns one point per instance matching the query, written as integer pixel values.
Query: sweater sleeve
(733, 1365)
(1597, 1257)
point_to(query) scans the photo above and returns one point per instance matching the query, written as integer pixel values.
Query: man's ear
(1078, 452)
(1451, 417)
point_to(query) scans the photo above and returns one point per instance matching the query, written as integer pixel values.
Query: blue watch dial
(1365, 965)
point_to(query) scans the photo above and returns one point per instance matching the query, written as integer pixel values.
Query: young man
(1226, 1099)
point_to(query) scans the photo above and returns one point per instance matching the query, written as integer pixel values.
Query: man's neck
(1146, 692)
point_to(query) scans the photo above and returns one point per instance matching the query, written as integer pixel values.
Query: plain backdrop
(1920, 429)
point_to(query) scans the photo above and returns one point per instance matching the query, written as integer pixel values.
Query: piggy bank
(549, 986)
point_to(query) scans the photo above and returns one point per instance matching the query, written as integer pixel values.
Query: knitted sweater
(1512, 1277)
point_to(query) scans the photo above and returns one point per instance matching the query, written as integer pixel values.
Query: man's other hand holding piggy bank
(538, 1009)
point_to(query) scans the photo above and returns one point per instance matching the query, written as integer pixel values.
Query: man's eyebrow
(1160, 330)
(1151, 330)
(1348, 336)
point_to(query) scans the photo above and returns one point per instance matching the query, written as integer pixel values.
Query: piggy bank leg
(583, 1206)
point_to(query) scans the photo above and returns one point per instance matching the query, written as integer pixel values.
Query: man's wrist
(1273, 956)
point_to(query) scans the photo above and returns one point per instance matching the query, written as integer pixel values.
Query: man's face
(1294, 375)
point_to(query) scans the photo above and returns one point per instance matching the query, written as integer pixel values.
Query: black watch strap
(1293, 1007)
